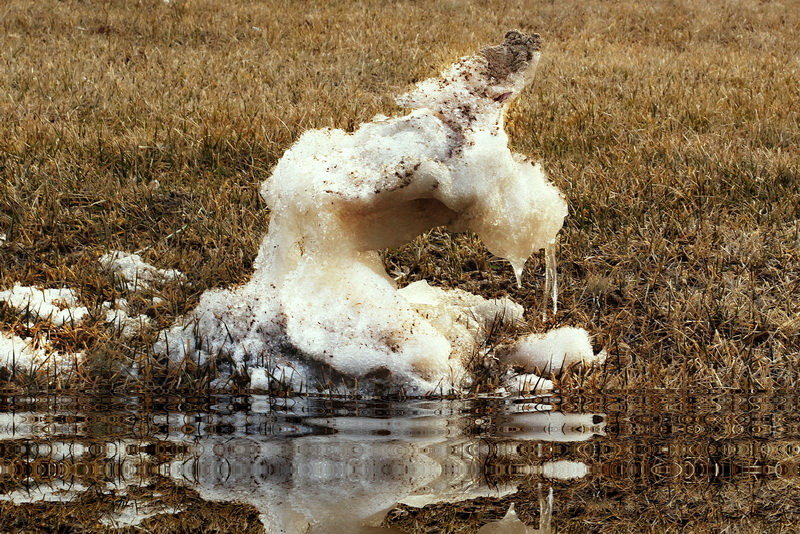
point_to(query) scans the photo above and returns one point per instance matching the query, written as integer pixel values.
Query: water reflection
(320, 465)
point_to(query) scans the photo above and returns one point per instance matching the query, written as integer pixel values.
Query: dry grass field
(672, 127)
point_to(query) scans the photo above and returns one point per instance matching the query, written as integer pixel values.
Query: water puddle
(258, 464)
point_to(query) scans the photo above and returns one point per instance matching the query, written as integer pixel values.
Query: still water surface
(659, 462)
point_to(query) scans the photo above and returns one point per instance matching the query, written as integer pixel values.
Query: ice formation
(133, 273)
(320, 300)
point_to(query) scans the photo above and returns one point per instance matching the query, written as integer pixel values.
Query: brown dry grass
(84, 513)
(672, 127)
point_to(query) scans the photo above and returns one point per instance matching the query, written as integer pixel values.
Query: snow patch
(18, 352)
(59, 306)
(281, 377)
(554, 351)
(62, 308)
(34, 355)
(132, 273)
(524, 383)
(117, 317)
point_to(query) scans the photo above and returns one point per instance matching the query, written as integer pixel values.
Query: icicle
(518, 267)
(551, 276)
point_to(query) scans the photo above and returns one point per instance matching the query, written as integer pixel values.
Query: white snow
(59, 306)
(564, 469)
(320, 299)
(554, 351)
(62, 308)
(133, 273)
(283, 376)
(18, 352)
(117, 317)
(525, 383)
(460, 316)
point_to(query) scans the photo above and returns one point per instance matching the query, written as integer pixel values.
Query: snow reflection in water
(303, 465)
(335, 466)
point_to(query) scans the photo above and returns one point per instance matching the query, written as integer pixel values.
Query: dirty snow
(320, 300)
(320, 308)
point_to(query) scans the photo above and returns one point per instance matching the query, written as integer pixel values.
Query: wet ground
(656, 462)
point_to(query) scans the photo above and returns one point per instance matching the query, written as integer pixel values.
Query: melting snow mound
(320, 302)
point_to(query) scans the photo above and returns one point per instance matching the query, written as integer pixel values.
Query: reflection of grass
(464, 517)
(671, 127)
(614, 506)
(93, 511)
(668, 463)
